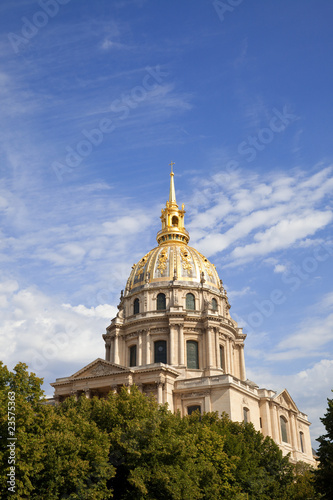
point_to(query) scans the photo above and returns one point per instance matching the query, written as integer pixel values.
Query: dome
(173, 261)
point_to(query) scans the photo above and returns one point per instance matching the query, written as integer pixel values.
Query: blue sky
(97, 98)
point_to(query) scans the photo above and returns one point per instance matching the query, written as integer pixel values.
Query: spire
(172, 194)
(173, 230)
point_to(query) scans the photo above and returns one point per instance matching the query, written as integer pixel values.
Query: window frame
(136, 306)
(189, 297)
(165, 357)
(161, 294)
(196, 344)
(133, 352)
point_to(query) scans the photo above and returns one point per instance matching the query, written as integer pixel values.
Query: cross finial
(171, 165)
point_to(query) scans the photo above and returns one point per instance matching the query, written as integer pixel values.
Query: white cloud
(249, 217)
(46, 334)
(309, 388)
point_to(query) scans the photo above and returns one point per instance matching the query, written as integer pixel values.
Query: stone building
(174, 337)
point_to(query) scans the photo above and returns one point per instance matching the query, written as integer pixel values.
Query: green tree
(303, 485)
(56, 456)
(324, 473)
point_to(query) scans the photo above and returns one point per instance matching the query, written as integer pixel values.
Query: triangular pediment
(285, 400)
(99, 367)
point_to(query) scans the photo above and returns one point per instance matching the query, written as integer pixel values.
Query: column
(116, 349)
(217, 349)
(276, 426)
(227, 356)
(209, 333)
(293, 431)
(242, 362)
(148, 348)
(112, 351)
(140, 349)
(172, 345)
(159, 393)
(181, 344)
(107, 352)
(231, 357)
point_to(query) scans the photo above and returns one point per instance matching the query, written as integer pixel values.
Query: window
(301, 439)
(222, 357)
(136, 306)
(160, 351)
(192, 409)
(246, 415)
(132, 353)
(283, 425)
(192, 354)
(174, 221)
(190, 301)
(160, 302)
(214, 304)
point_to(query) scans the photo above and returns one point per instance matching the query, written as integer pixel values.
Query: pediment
(286, 401)
(99, 367)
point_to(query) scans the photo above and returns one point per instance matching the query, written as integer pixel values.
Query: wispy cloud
(252, 217)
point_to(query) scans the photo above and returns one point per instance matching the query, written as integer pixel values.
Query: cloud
(247, 217)
(309, 388)
(44, 333)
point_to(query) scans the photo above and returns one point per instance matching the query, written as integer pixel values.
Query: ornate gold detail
(162, 261)
(142, 263)
(207, 265)
(186, 259)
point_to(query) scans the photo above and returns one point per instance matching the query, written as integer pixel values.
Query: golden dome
(173, 259)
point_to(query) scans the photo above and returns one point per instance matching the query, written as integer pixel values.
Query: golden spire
(172, 193)
(173, 230)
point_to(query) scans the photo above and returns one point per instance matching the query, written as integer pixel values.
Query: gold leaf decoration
(186, 259)
(162, 261)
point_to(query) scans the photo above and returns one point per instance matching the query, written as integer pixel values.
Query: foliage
(324, 473)
(56, 456)
(129, 447)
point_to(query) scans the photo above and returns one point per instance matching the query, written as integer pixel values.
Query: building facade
(174, 338)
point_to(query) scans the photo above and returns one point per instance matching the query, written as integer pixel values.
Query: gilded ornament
(207, 265)
(162, 261)
(186, 259)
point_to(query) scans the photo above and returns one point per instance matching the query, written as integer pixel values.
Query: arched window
(160, 302)
(160, 351)
(192, 409)
(190, 301)
(192, 352)
(301, 440)
(214, 304)
(283, 425)
(246, 415)
(174, 221)
(132, 355)
(222, 362)
(136, 306)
